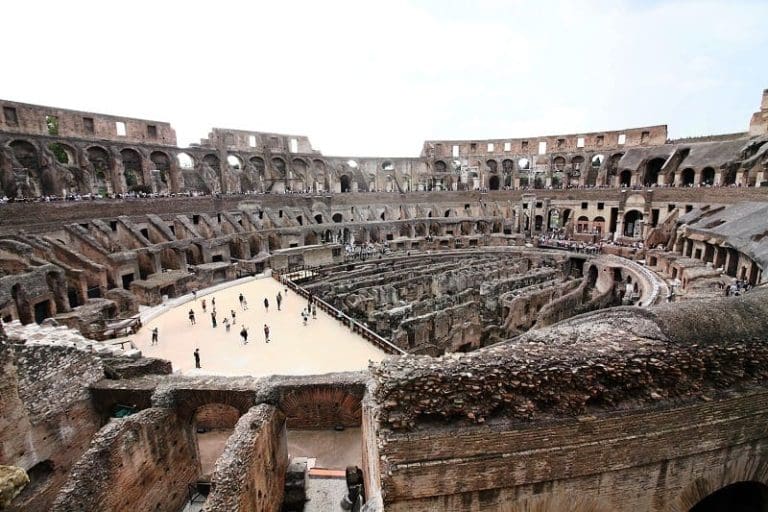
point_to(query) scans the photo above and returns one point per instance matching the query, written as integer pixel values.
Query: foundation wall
(250, 474)
(46, 418)
(652, 460)
(150, 457)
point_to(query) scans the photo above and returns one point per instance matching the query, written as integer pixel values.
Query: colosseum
(553, 323)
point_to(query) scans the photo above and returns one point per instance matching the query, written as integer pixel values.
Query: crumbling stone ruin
(573, 322)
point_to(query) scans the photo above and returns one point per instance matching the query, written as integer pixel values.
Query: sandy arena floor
(322, 346)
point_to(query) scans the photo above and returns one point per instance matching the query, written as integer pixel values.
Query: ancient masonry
(574, 322)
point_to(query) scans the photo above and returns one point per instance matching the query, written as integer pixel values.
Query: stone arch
(741, 470)
(553, 219)
(708, 176)
(440, 166)
(747, 496)
(598, 224)
(613, 164)
(258, 164)
(652, 171)
(273, 241)
(625, 178)
(337, 218)
(493, 166)
(161, 168)
(632, 223)
(279, 166)
(235, 161)
(101, 162)
(185, 160)
(729, 176)
(559, 163)
(582, 224)
(133, 171)
(300, 166)
(421, 229)
(687, 177)
(212, 161)
(28, 156)
(345, 183)
(494, 183)
(507, 165)
(65, 154)
(310, 238)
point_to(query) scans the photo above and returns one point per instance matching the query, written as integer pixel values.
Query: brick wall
(141, 462)
(250, 474)
(46, 417)
(658, 459)
(216, 416)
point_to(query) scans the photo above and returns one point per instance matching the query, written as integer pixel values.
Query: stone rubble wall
(655, 459)
(250, 474)
(140, 462)
(46, 417)
(603, 359)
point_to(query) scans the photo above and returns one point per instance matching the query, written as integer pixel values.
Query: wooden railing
(356, 327)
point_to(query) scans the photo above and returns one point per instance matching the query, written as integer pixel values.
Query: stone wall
(250, 474)
(46, 418)
(141, 462)
(602, 359)
(657, 459)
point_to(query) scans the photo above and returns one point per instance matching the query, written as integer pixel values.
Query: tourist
(213, 318)
(244, 335)
(304, 317)
(234, 316)
(314, 311)
(154, 336)
(191, 317)
(194, 294)
(203, 305)
(213, 302)
(226, 324)
(266, 304)
(244, 305)
(279, 300)
(197, 358)
(266, 333)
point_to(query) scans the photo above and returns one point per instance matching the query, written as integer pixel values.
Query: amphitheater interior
(569, 322)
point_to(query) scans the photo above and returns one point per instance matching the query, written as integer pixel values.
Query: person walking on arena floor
(213, 318)
(266, 304)
(197, 358)
(244, 335)
(226, 323)
(234, 316)
(191, 317)
(203, 305)
(154, 336)
(266, 333)
(279, 300)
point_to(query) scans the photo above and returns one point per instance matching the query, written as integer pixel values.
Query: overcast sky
(379, 78)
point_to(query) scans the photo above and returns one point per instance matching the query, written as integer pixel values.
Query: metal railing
(356, 327)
